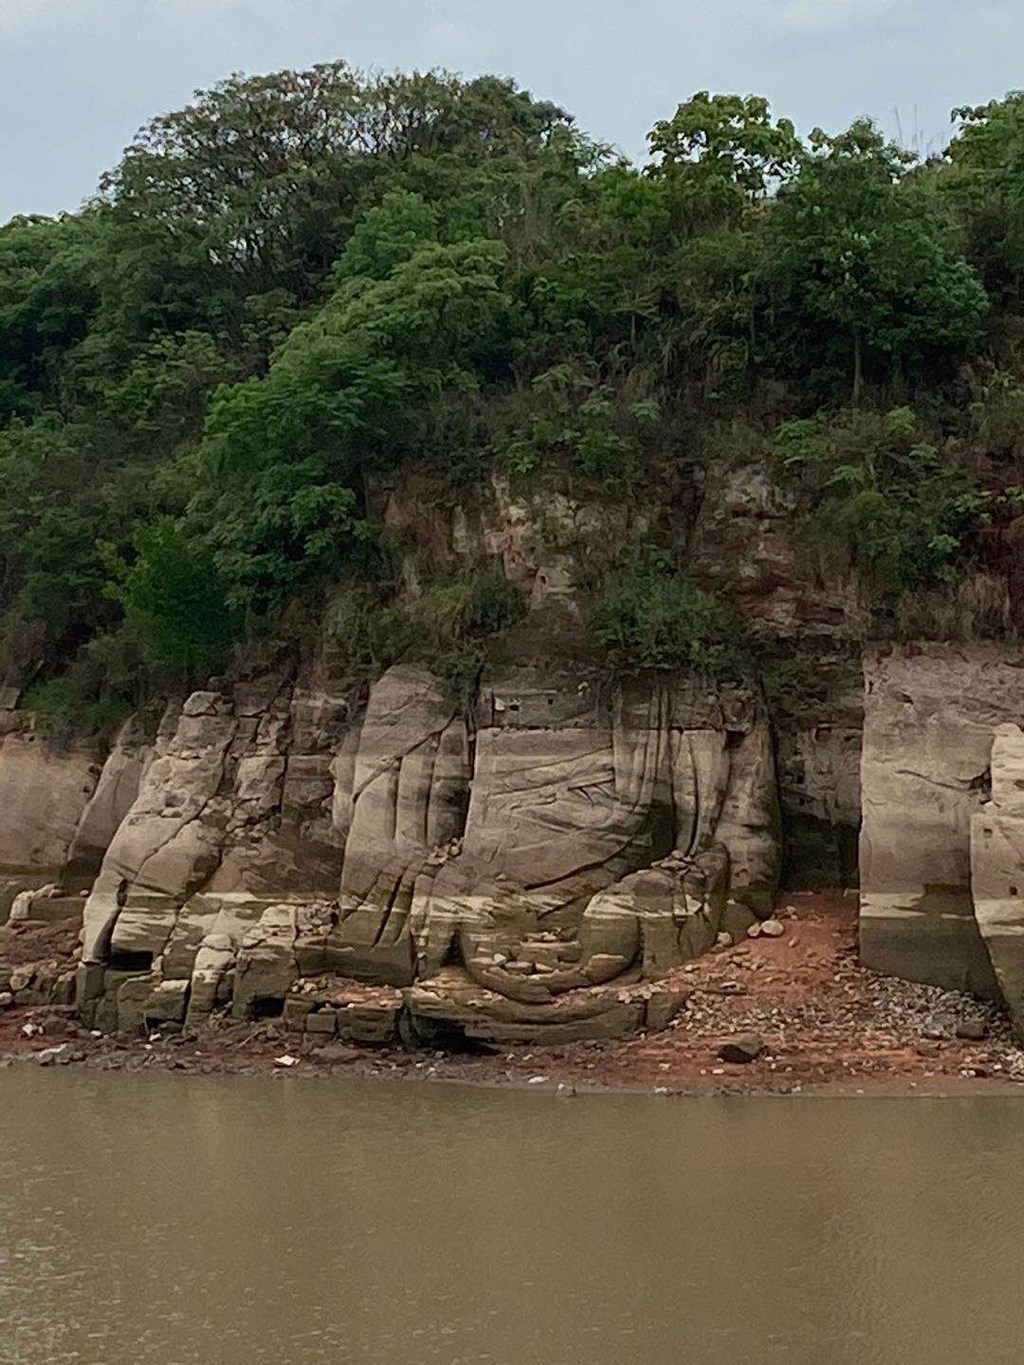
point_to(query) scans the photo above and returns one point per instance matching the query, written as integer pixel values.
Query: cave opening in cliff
(268, 1007)
(441, 1035)
(127, 960)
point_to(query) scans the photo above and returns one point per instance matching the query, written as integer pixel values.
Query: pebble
(773, 928)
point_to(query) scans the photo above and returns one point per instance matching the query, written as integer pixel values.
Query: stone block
(322, 1021)
(296, 1011)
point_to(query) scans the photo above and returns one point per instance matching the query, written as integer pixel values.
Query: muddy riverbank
(824, 1024)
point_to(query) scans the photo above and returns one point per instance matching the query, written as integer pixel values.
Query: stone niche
(942, 859)
(532, 871)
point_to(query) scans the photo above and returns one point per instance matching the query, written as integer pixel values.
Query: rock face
(744, 541)
(930, 717)
(43, 795)
(818, 734)
(387, 866)
(112, 799)
(997, 869)
(530, 871)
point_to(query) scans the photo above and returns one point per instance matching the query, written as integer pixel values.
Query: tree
(861, 265)
(175, 599)
(47, 300)
(282, 470)
(721, 153)
(272, 169)
(987, 183)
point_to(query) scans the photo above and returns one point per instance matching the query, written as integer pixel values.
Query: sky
(78, 77)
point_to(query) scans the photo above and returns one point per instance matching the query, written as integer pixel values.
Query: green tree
(722, 153)
(271, 170)
(284, 465)
(175, 599)
(861, 265)
(987, 184)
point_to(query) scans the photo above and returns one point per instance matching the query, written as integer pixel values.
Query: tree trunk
(858, 374)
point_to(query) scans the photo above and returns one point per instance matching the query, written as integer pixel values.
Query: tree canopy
(305, 283)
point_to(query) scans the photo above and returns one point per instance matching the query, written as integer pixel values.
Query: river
(196, 1220)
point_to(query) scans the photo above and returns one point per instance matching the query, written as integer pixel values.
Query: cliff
(386, 860)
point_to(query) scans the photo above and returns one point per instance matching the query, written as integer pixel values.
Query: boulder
(745, 1048)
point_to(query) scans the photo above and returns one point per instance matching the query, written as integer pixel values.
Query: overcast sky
(77, 77)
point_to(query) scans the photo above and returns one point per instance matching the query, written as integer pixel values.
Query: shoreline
(828, 1026)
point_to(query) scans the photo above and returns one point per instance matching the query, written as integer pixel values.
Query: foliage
(581, 423)
(470, 606)
(723, 152)
(998, 414)
(371, 633)
(987, 183)
(648, 622)
(861, 267)
(70, 715)
(176, 601)
(304, 284)
(459, 670)
(885, 501)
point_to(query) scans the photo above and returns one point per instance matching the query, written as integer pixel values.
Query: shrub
(470, 605)
(372, 633)
(459, 669)
(649, 622)
(885, 502)
(70, 715)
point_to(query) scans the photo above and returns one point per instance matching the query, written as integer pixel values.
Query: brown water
(179, 1220)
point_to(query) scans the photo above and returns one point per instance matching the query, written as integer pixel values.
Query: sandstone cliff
(369, 860)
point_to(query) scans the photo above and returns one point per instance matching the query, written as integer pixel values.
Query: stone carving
(531, 871)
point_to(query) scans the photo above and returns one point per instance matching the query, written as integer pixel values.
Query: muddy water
(176, 1220)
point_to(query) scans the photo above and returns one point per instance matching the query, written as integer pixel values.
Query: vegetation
(307, 282)
(653, 623)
